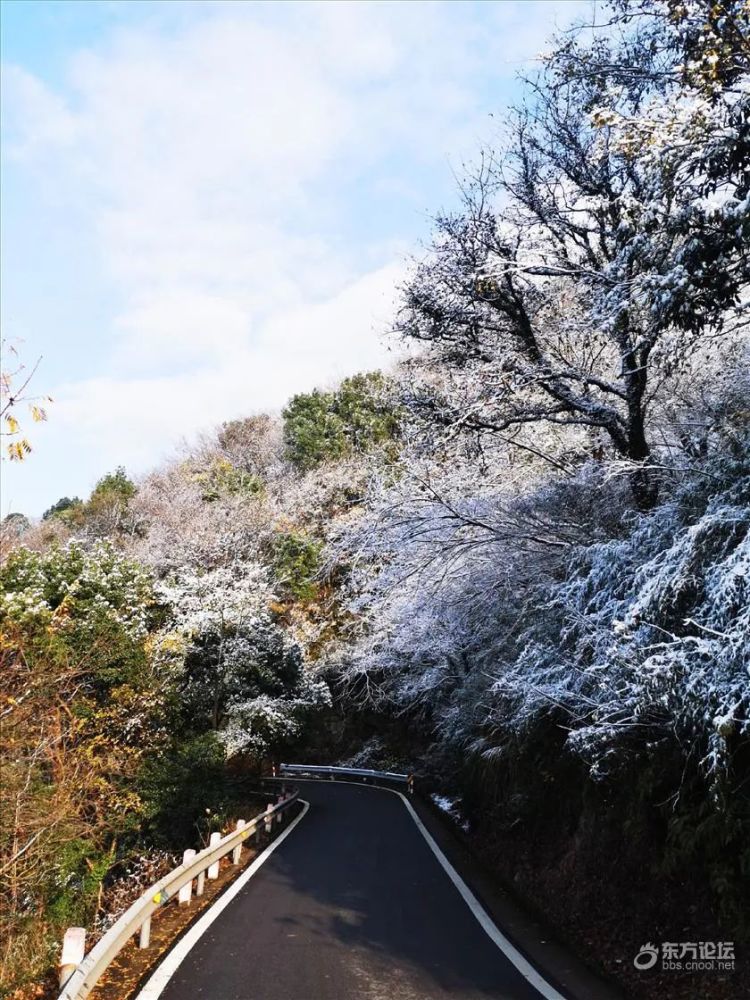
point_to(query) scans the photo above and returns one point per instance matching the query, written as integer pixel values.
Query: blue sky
(207, 207)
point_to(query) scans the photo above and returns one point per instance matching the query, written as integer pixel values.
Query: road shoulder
(526, 930)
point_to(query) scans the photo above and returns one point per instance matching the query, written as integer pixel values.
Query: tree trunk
(642, 483)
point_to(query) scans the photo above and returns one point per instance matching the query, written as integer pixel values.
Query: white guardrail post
(237, 852)
(73, 950)
(79, 973)
(186, 892)
(144, 937)
(213, 870)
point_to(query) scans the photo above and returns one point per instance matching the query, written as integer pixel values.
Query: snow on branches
(593, 256)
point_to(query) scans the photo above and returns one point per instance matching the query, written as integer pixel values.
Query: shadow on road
(353, 905)
(360, 889)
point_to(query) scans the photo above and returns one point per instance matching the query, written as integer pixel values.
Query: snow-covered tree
(600, 248)
(190, 520)
(242, 674)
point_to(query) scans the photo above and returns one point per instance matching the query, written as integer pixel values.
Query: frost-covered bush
(68, 584)
(241, 675)
(480, 631)
(257, 725)
(446, 562)
(135, 876)
(647, 640)
(560, 636)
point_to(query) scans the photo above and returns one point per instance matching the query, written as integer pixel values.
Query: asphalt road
(353, 905)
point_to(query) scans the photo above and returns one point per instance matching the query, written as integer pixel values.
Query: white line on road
(164, 972)
(486, 922)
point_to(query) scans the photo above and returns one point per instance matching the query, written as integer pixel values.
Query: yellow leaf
(37, 413)
(13, 425)
(18, 450)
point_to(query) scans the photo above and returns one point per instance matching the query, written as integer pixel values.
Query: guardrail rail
(79, 975)
(315, 770)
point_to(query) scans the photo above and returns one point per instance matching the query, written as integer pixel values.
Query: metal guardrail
(315, 770)
(79, 975)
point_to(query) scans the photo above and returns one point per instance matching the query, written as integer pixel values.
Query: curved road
(353, 905)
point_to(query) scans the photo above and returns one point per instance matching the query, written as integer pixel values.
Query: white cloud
(43, 118)
(173, 332)
(141, 417)
(226, 165)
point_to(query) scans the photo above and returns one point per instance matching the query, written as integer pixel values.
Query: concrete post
(269, 819)
(213, 871)
(237, 852)
(73, 950)
(186, 891)
(145, 936)
(200, 883)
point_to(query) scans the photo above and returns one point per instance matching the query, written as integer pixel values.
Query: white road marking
(486, 922)
(159, 979)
